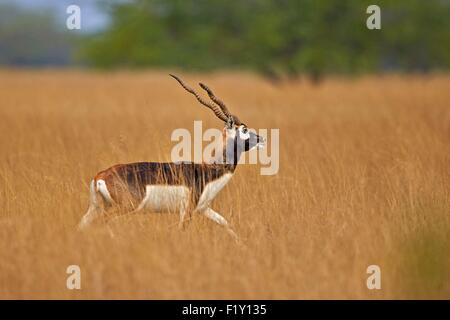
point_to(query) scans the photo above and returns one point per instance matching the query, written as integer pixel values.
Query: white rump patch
(101, 187)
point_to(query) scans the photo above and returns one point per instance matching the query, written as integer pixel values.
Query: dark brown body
(127, 182)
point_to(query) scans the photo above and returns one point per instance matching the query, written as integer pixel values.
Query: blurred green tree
(274, 37)
(30, 37)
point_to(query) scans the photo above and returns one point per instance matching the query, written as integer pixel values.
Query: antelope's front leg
(216, 217)
(185, 207)
(182, 216)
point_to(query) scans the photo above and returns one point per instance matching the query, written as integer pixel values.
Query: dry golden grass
(364, 179)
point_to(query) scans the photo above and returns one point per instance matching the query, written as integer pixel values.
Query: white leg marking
(211, 190)
(182, 216)
(183, 211)
(216, 217)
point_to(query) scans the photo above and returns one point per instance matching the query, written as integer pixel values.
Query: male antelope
(184, 187)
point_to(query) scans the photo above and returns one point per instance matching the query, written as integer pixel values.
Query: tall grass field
(364, 179)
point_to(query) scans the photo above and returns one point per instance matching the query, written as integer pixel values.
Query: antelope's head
(237, 137)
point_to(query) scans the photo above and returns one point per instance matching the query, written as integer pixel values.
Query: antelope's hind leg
(99, 201)
(94, 211)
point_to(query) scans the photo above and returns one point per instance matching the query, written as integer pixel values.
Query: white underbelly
(165, 198)
(176, 198)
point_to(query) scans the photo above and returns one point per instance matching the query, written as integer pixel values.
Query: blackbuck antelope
(183, 187)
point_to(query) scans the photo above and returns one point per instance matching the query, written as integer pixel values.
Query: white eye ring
(244, 134)
(244, 130)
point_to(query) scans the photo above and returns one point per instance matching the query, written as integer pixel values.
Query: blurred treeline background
(278, 38)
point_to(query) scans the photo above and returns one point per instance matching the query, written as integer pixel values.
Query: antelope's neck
(231, 153)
